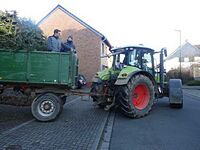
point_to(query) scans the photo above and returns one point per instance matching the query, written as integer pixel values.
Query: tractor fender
(124, 81)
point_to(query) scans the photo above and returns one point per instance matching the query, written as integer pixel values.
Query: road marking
(72, 101)
(17, 127)
(30, 121)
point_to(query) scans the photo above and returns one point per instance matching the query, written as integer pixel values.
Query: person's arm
(66, 47)
(73, 47)
(49, 44)
(63, 47)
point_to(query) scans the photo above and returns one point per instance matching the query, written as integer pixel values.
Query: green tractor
(133, 83)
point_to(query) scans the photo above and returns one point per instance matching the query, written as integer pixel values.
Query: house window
(186, 59)
(191, 59)
(197, 59)
(102, 49)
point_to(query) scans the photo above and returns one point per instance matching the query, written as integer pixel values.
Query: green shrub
(20, 33)
(185, 74)
(193, 83)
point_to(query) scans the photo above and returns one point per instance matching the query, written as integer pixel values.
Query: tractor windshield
(141, 58)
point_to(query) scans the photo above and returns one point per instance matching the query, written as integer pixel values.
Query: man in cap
(68, 45)
(54, 43)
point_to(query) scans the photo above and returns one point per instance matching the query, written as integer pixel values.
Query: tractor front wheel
(175, 93)
(137, 97)
(97, 88)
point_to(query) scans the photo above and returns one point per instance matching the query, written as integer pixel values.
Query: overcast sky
(126, 22)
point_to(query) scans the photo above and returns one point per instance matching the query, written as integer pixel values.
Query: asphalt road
(163, 129)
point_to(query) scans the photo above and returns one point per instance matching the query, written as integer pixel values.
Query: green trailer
(37, 78)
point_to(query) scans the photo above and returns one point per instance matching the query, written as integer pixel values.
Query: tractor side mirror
(165, 52)
(107, 55)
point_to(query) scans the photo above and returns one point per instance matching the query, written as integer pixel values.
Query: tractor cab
(139, 57)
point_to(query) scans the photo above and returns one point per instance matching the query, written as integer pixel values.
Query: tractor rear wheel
(137, 97)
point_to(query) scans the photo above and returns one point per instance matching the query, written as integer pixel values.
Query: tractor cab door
(119, 61)
(147, 62)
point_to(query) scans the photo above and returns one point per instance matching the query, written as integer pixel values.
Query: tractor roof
(131, 48)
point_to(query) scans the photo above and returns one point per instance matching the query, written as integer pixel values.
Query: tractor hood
(105, 74)
(122, 74)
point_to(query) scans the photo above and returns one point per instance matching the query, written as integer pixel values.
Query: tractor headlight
(96, 75)
(124, 75)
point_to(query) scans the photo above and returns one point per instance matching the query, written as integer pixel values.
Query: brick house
(90, 44)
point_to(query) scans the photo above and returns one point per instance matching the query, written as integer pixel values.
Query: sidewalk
(192, 91)
(191, 87)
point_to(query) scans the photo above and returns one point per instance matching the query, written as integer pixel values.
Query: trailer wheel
(136, 98)
(1, 91)
(175, 93)
(46, 107)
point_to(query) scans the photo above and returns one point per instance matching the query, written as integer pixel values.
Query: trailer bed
(38, 67)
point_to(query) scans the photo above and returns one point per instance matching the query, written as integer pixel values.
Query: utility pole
(180, 52)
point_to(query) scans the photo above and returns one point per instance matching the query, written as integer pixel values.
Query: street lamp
(180, 52)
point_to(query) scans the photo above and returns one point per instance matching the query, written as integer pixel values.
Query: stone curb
(100, 133)
(107, 134)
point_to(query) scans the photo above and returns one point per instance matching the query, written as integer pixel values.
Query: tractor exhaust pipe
(162, 53)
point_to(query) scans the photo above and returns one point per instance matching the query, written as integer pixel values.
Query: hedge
(20, 33)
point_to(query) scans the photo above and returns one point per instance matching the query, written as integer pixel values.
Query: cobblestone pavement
(79, 127)
(11, 116)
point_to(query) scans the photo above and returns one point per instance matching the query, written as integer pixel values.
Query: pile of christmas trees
(20, 33)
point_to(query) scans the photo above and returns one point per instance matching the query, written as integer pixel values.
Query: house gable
(187, 50)
(60, 9)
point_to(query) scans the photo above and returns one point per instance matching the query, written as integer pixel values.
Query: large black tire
(98, 88)
(137, 97)
(46, 107)
(63, 100)
(175, 93)
(1, 91)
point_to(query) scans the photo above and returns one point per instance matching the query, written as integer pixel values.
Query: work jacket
(54, 44)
